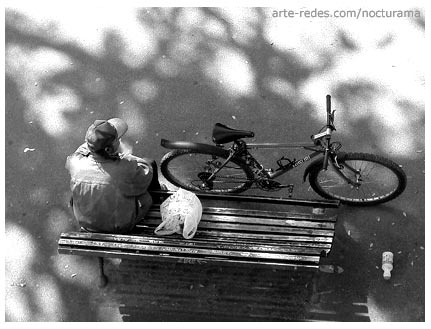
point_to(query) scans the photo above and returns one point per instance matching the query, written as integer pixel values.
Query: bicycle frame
(238, 148)
(281, 170)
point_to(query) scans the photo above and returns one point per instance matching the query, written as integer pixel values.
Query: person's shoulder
(82, 150)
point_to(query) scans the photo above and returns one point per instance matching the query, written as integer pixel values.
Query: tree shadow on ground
(171, 96)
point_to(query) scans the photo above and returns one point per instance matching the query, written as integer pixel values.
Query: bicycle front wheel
(378, 179)
(193, 171)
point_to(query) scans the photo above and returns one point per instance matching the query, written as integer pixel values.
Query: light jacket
(108, 195)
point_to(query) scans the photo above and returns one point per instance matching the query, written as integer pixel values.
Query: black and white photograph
(198, 161)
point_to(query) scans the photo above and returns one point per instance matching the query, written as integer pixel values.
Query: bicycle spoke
(207, 172)
(375, 181)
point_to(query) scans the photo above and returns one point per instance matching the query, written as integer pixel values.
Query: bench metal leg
(103, 279)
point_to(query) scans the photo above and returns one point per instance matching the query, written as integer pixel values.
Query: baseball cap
(103, 133)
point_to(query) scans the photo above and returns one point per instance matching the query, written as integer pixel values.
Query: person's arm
(138, 176)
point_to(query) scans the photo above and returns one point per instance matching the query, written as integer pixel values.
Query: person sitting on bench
(109, 189)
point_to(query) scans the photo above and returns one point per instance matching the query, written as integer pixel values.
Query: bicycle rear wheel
(192, 169)
(380, 179)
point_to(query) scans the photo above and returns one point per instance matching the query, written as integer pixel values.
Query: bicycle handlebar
(328, 104)
(329, 113)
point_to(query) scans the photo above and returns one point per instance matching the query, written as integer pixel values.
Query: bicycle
(352, 178)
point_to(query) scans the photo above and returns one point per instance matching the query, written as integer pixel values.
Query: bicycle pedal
(286, 186)
(290, 189)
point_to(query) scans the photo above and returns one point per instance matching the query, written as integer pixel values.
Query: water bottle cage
(284, 165)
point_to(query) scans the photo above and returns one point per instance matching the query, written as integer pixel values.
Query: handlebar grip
(328, 104)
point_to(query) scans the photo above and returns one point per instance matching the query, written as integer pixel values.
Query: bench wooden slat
(249, 237)
(260, 199)
(260, 213)
(294, 242)
(190, 259)
(137, 247)
(196, 243)
(250, 220)
(260, 228)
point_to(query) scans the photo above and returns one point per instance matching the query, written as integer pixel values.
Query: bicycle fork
(337, 168)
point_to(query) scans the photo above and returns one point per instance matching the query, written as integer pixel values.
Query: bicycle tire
(182, 168)
(329, 185)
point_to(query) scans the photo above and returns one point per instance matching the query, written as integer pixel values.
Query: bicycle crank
(272, 186)
(205, 184)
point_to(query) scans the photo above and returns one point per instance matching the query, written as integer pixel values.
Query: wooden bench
(226, 235)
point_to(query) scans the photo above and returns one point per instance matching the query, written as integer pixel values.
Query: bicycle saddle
(223, 134)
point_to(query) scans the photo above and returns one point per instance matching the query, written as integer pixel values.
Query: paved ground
(56, 86)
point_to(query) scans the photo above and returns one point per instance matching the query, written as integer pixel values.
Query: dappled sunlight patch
(36, 299)
(231, 72)
(376, 101)
(400, 142)
(377, 314)
(39, 196)
(134, 115)
(283, 88)
(400, 133)
(17, 305)
(82, 271)
(167, 67)
(242, 22)
(137, 51)
(189, 18)
(32, 70)
(48, 299)
(73, 24)
(30, 296)
(381, 63)
(311, 42)
(34, 65)
(389, 114)
(214, 29)
(50, 108)
(21, 249)
(144, 90)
